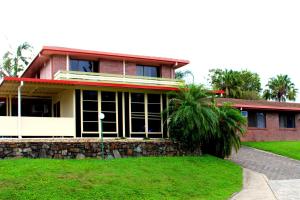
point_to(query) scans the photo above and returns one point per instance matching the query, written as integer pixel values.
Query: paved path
(273, 166)
(283, 174)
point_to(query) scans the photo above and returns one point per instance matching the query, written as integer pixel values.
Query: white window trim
(146, 117)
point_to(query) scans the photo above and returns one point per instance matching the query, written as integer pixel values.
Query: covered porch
(36, 109)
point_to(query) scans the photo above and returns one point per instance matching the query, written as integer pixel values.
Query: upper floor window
(256, 119)
(287, 120)
(84, 65)
(150, 71)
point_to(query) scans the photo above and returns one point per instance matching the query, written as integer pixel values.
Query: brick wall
(272, 132)
(81, 148)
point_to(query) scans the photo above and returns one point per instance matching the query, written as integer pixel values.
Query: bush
(195, 120)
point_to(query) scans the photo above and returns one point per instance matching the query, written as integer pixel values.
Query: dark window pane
(2, 106)
(154, 108)
(137, 97)
(256, 119)
(90, 116)
(252, 119)
(287, 120)
(81, 65)
(138, 125)
(150, 71)
(109, 127)
(90, 105)
(137, 107)
(33, 107)
(90, 126)
(56, 109)
(261, 120)
(90, 95)
(153, 98)
(109, 117)
(139, 70)
(108, 106)
(108, 96)
(154, 125)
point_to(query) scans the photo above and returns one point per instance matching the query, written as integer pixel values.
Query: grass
(285, 148)
(204, 177)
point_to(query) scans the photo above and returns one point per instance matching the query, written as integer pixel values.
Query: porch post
(19, 109)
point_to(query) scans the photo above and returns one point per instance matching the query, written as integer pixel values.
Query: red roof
(87, 83)
(260, 104)
(89, 54)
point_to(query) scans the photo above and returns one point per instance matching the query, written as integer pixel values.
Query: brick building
(268, 120)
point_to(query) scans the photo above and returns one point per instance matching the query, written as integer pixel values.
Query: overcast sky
(262, 36)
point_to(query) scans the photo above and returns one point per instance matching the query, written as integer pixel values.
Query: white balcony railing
(37, 126)
(115, 78)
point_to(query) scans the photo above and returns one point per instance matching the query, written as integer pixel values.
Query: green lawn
(285, 148)
(204, 177)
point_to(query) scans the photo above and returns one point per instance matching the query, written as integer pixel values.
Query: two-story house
(63, 90)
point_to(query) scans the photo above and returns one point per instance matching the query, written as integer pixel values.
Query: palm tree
(191, 119)
(280, 88)
(14, 62)
(229, 81)
(230, 129)
(182, 74)
(196, 121)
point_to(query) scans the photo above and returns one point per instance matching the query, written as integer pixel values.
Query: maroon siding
(130, 69)
(167, 71)
(59, 63)
(45, 72)
(111, 67)
(273, 132)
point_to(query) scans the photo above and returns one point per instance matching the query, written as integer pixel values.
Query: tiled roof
(260, 104)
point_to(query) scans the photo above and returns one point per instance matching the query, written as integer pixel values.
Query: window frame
(158, 69)
(146, 114)
(99, 110)
(286, 115)
(256, 119)
(92, 62)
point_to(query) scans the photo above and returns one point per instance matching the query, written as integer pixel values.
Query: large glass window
(150, 71)
(90, 111)
(138, 112)
(287, 120)
(84, 65)
(33, 107)
(2, 106)
(256, 119)
(154, 113)
(108, 108)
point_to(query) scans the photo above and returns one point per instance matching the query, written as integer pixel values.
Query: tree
(191, 119)
(280, 88)
(182, 74)
(230, 129)
(14, 62)
(236, 84)
(196, 121)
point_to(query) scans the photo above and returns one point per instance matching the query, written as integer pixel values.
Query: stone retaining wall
(81, 148)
